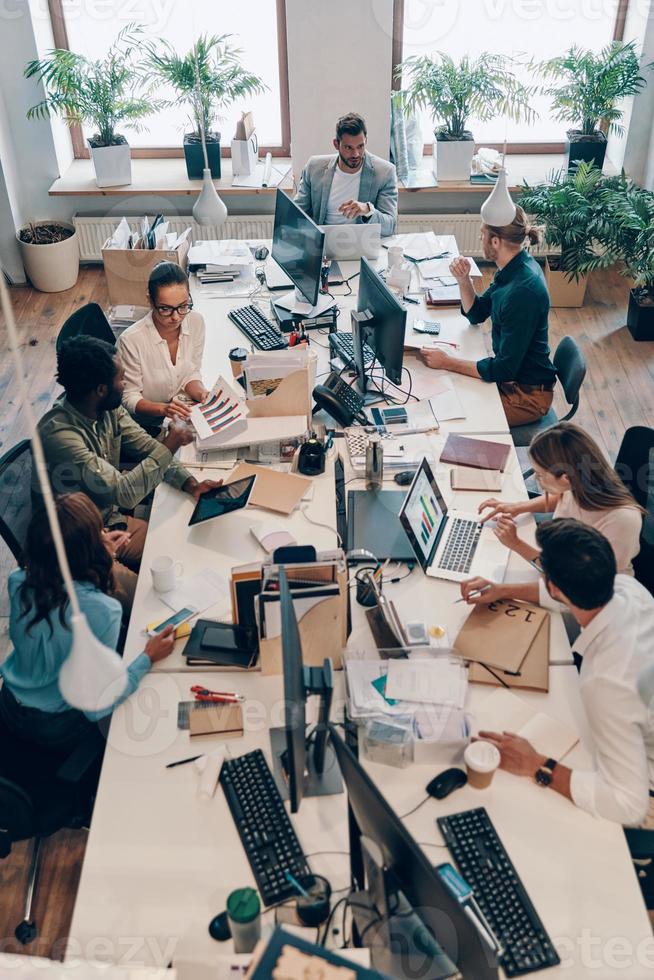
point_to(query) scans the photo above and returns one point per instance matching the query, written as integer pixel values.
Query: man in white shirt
(616, 616)
(352, 186)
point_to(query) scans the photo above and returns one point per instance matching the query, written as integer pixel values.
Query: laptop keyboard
(462, 540)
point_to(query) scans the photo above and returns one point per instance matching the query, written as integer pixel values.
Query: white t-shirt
(345, 187)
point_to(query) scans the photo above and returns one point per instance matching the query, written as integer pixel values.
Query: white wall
(638, 158)
(339, 60)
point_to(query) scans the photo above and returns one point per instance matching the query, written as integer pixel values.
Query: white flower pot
(113, 165)
(51, 268)
(453, 159)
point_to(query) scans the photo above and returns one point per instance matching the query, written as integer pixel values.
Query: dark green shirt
(518, 303)
(82, 455)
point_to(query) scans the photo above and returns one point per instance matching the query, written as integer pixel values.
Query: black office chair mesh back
(89, 320)
(635, 467)
(570, 366)
(15, 497)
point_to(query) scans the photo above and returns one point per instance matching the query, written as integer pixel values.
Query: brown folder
(483, 455)
(507, 643)
(291, 396)
(272, 490)
(219, 719)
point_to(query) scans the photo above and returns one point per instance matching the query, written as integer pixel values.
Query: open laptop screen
(422, 514)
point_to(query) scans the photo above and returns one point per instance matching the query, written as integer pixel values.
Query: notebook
(502, 711)
(479, 453)
(219, 719)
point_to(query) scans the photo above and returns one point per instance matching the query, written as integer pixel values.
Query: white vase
(113, 165)
(51, 268)
(453, 159)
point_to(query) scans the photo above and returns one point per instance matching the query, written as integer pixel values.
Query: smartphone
(188, 612)
(432, 327)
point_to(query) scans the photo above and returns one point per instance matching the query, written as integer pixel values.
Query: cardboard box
(128, 269)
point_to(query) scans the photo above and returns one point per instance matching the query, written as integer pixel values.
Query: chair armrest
(82, 757)
(640, 842)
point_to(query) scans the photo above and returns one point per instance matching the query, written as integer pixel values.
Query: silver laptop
(449, 544)
(350, 242)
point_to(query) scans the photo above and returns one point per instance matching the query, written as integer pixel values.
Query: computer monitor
(298, 245)
(410, 870)
(381, 324)
(302, 766)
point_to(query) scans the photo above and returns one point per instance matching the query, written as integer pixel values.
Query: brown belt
(528, 389)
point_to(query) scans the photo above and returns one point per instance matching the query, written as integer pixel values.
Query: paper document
(436, 681)
(420, 246)
(261, 178)
(440, 268)
(223, 413)
(363, 697)
(201, 591)
(503, 711)
(445, 401)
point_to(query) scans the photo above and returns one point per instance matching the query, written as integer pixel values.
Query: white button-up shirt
(616, 645)
(149, 371)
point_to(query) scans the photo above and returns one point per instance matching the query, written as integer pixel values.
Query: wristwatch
(371, 208)
(545, 773)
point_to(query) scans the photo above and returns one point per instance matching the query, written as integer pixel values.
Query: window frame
(80, 147)
(511, 147)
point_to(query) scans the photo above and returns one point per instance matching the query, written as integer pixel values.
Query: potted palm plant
(586, 88)
(627, 216)
(207, 79)
(568, 204)
(102, 94)
(481, 87)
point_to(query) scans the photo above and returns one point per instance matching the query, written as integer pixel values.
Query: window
(258, 28)
(536, 29)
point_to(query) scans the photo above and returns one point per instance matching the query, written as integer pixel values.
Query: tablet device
(222, 500)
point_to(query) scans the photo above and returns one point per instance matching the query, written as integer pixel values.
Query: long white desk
(160, 863)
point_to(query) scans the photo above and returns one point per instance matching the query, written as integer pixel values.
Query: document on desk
(502, 711)
(364, 698)
(434, 681)
(422, 246)
(440, 269)
(445, 401)
(200, 591)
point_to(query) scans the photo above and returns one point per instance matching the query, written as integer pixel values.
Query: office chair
(15, 497)
(570, 366)
(88, 320)
(634, 465)
(41, 792)
(641, 842)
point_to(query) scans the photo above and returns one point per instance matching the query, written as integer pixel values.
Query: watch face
(543, 777)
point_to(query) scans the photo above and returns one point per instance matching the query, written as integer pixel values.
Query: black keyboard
(341, 345)
(481, 859)
(261, 331)
(460, 546)
(264, 827)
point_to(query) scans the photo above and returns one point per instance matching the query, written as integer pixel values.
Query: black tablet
(222, 500)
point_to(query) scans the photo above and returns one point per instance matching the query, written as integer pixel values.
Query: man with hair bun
(518, 303)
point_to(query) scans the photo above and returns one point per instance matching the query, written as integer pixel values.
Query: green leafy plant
(588, 86)
(570, 207)
(481, 87)
(627, 223)
(102, 94)
(207, 79)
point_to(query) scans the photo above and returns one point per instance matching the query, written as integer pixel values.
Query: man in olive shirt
(86, 435)
(518, 303)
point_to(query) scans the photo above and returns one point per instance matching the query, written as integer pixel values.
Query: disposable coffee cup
(236, 357)
(481, 759)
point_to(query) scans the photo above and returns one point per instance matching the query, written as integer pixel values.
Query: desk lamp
(93, 675)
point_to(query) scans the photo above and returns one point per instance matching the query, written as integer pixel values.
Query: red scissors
(218, 697)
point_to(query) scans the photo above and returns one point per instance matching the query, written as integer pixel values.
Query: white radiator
(93, 232)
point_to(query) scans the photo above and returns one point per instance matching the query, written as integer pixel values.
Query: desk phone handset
(340, 400)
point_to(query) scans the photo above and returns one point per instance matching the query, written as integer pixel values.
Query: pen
(409, 299)
(471, 595)
(198, 689)
(182, 762)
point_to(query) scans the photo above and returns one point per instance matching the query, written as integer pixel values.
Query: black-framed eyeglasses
(181, 310)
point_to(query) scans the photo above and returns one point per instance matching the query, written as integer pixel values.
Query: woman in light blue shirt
(31, 704)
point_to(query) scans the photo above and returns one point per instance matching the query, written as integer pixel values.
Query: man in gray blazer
(353, 186)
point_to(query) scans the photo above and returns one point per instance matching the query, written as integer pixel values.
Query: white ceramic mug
(165, 573)
(395, 256)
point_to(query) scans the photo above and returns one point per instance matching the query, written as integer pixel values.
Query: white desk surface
(160, 863)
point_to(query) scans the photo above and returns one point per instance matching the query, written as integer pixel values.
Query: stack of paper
(435, 681)
(265, 370)
(422, 246)
(364, 698)
(227, 254)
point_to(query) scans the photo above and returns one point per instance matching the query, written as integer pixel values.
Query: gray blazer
(378, 185)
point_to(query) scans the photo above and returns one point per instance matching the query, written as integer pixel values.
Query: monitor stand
(296, 303)
(325, 783)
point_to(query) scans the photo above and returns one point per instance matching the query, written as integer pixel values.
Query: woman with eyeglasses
(162, 353)
(577, 482)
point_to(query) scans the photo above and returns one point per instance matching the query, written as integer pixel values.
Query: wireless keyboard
(264, 826)
(341, 345)
(259, 330)
(482, 861)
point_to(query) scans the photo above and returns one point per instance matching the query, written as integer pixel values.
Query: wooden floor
(618, 392)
